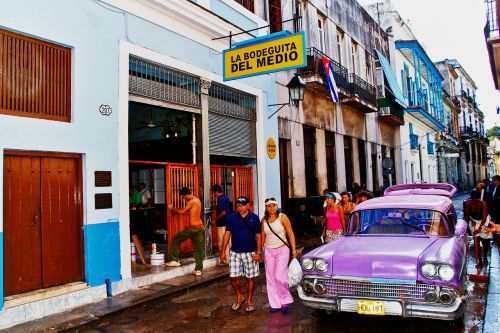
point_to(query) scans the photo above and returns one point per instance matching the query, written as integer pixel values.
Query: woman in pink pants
(275, 229)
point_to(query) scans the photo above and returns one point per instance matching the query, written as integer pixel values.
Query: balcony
(413, 141)
(390, 112)
(456, 101)
(363, 95)
(314, 74)
(465, 132)
(430, 148)
(418, 106)
(492, 36)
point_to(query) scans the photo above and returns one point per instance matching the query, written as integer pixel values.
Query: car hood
(377, 257)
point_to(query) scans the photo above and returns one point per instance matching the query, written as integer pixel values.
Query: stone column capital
(205, 85)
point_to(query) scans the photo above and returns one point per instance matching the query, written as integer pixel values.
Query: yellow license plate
(371, 307)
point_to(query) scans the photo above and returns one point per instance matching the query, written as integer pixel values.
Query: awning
(391, 79)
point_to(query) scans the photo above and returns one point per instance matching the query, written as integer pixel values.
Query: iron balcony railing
(465, 131)
(491, 28)
(387, 107)
(315, 66)
(430, 148)
(362, 89)
(413, 141)
(456, 101)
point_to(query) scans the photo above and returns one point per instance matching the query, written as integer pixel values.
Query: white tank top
(272, 241)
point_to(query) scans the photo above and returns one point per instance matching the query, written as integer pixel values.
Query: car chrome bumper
(392, 307)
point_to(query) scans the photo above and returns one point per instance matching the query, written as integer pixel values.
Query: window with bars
(35, 78)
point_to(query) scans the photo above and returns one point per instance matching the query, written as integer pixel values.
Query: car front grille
(339, 287)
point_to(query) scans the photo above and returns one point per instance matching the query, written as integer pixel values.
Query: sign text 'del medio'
(265, 57)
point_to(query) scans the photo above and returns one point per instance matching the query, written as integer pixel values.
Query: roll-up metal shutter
(231, 122)
(231, 136)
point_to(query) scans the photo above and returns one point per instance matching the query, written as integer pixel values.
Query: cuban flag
(330, 80)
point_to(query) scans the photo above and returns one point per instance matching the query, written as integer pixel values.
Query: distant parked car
(404, 254)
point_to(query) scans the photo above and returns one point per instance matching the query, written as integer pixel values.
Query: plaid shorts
(242, 264)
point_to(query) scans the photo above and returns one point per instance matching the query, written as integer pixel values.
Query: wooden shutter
(35, 78)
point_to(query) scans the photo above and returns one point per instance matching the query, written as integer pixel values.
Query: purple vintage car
(404, 255)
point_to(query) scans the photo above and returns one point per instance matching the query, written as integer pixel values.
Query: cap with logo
(242, 201)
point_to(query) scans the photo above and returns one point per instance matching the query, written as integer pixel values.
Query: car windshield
(398, 221)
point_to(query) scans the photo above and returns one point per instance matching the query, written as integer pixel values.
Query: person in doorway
(334, 215)
(356, 188)
(243, 227)
(223, 210)
(134, 198)
(195, 231)
(363, 196)
(476, 214)
(347, 206)
(146, 198)
(275, 229)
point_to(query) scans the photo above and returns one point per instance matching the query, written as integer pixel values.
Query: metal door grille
(152, 80)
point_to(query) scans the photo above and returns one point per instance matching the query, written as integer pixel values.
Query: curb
(90, 321)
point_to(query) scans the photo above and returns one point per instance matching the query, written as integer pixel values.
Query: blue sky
(453, 29)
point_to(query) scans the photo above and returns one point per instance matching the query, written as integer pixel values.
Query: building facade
(87, 114)
(328, 145)
(421, 86)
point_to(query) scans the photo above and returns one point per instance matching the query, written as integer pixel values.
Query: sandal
(249, 308)
(236, 305)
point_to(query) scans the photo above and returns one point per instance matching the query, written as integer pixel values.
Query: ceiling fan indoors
(150, 124)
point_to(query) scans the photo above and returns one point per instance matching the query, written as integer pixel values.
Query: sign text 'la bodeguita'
(280, 52)
(273, 55)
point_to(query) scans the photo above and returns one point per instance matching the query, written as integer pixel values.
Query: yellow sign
(271, 148)
(276, 52)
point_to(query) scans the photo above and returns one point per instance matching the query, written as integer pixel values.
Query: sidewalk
(89, 315)
(492, 312)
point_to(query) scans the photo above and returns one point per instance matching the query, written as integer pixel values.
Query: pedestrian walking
(334, 215)
(275, 229)
(243, 227)
(194, 231)
(223, 210)
(347, 206)
(476, 214)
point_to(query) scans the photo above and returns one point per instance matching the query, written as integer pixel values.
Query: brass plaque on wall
(102, 178)
(103, 201)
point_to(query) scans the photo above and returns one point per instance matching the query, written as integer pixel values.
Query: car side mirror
(460, 228)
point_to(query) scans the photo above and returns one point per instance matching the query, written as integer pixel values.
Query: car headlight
(446, 272)
(321, 265)
(429, 270)
(307, 264)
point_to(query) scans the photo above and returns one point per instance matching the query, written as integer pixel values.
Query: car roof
(426, 188)
(433, 202)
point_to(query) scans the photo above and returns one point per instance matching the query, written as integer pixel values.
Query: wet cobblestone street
(208, 310)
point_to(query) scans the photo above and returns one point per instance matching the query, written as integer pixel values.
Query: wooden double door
(43, 236)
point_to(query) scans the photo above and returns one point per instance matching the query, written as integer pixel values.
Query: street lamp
(296, 88)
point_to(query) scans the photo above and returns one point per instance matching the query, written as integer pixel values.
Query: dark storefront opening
(331, 165)
(362, 161)
(349, 172)
(162, 152)
(374, 168)
(310, 160)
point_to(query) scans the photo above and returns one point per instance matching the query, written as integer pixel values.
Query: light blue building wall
(94, 30)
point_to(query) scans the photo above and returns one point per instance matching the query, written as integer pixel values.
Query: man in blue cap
(244, 229)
